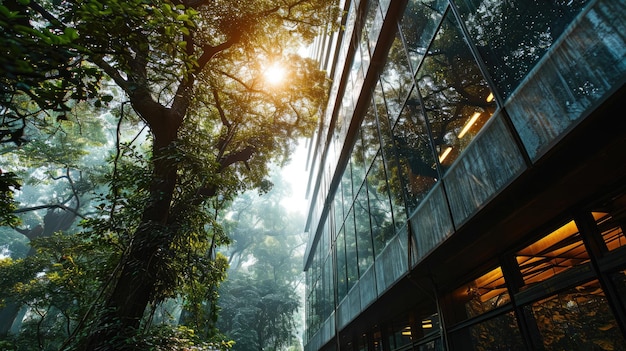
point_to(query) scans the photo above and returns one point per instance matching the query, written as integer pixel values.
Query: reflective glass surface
(380, 205)
(481, 295)
(499, 333)
(340, 252)
(358, 164)
(351, 250)
(578, 319)
(396, 78)
(513, 35)
(418, 25)
(390, 157)
(369, 135)
(457, 99)
(416, 162)
(363, 231)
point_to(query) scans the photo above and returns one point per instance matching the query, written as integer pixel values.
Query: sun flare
(275, 74)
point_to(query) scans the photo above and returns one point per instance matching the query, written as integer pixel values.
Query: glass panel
(399, 333)
(578, 319)
(338, 208)
(346, 187)
(557, 252)
(480, 295)
(390, 159)
(456, 97)
(610, 219)
(358, 166)
(351, 257)
(342, 279)
(418, 25)
(416, 159)
(373, 24)
(396, 78)
(499, 333)
(428, 324)
(369, 133)
(513, 35)
(377, 340)
(619, 281)
(433, 345)
(363, 231)
(362, 343)
(328, 291)
(380, 205)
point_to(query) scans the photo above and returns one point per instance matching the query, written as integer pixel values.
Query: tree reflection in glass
(390, 157)
(418, 25)
(380, 205)
(456, 97)
(418, 169)
(513, 35)
(396, 79)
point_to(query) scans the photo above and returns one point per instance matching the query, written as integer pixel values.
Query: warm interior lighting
(552, 254)
(427, 324)
(445, 154)
(490, 97)
(549, 241)
(469, 124)
(274, 74)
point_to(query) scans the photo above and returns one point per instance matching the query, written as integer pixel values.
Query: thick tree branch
(41, 207)
(242, 155)
(208, 51)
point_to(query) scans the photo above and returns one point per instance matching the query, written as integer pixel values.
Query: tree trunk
(7, 317)
(135, 287)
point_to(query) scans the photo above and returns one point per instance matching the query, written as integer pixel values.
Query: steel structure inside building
(468, 178)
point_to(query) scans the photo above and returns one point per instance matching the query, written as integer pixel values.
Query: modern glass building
(468, 178)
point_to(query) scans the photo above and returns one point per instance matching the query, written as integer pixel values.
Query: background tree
(58, 177)
(192, 72)
(259, 301)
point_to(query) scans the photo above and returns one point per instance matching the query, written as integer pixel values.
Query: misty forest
(141, 196)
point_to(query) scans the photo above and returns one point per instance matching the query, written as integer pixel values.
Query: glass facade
(448, 126)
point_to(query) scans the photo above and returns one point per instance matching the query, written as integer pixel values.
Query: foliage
(57, 285)
(259, 301)
(180, 338)
(258, 314)
(191, 74)
(8, 184)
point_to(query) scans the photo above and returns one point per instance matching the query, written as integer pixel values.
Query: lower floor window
(577, 319)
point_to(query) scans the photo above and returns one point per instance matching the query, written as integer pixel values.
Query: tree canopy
(191, 74)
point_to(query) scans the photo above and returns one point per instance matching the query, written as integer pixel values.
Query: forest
(140, 206)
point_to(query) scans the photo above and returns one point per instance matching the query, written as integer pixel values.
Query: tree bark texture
(135, 287)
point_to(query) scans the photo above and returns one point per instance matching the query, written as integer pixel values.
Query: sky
(296, 174)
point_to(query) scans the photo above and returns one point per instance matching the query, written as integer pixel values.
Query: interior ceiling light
(445, 154)
(469, 124)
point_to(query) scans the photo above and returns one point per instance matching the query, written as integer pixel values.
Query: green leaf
(71, 33)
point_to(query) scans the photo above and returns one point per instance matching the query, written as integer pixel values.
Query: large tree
(193, 72)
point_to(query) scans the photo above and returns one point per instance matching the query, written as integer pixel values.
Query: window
(481, 295)
(610, 219)
(577, 319)
(554, 253)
